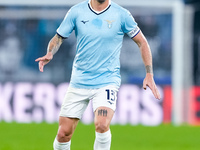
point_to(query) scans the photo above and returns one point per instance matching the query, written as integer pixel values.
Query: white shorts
(76, 100)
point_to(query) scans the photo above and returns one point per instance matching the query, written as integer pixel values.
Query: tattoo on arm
(149, 69)
(55, 44)
(102, 112)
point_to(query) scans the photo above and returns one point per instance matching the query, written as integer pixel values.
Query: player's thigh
(66, 128)
(102, 119)
(104, 105)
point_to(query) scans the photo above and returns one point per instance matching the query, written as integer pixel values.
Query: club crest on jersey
(110, 23)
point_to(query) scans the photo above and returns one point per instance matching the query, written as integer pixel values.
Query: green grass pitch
(15, 136)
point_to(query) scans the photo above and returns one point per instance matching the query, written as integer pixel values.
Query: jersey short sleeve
(67, 25)
(129, 26)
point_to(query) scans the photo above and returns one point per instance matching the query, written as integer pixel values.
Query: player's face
(101, 1)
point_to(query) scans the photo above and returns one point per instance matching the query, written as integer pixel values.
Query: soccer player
(99, 28)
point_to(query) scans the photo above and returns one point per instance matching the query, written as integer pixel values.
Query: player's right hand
(44, 60)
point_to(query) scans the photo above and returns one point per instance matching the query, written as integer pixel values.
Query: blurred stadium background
(30, 100)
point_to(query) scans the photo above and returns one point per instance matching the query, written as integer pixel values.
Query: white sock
(102, 141)
(61, 146)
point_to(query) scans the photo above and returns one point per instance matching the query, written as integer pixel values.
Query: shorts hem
(70, 116)
(95, 108)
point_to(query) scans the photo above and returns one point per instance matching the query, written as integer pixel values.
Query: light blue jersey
(99, 41)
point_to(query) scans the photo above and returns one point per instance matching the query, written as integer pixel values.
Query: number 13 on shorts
(111, 96)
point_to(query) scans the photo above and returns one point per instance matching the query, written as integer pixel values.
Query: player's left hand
(149, 81)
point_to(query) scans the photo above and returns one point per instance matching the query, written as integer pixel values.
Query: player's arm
(55, 44)
(145, 50)
(52, 48)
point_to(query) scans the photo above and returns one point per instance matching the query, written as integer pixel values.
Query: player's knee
(101, 127)
(64, 135)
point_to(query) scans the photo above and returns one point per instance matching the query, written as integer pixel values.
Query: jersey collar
(98, 12)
